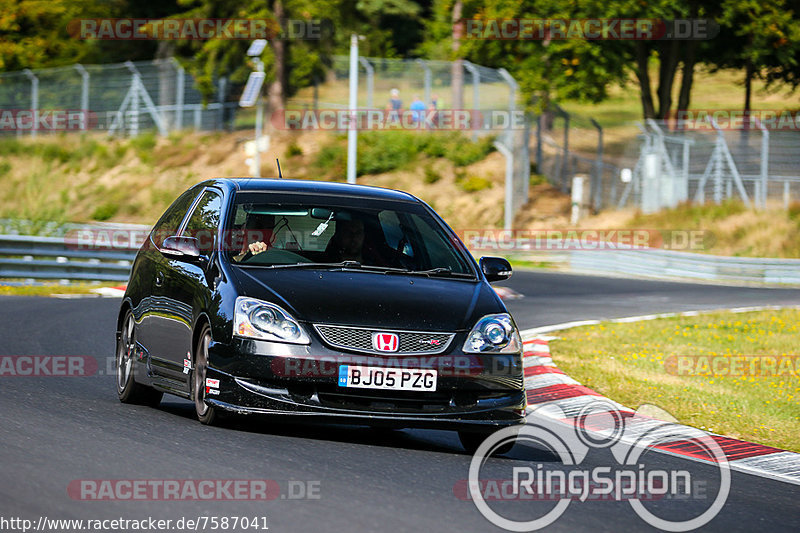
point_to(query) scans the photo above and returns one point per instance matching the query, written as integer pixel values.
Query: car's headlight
(494, 334)
(261, 320)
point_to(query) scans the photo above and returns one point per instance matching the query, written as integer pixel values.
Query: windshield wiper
(446, 271)
(341, 264)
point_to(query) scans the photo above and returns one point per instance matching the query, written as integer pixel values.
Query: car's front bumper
(473, 391)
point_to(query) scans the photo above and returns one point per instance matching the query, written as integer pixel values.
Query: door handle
(159, 278)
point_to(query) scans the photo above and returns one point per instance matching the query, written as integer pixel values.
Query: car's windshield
(269, 231)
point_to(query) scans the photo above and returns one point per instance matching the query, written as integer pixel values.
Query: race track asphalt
(59, 429)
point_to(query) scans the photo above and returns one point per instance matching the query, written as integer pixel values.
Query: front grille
(360, 340)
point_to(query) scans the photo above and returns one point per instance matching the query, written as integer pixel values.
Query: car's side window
(170, 221)
(204, 221)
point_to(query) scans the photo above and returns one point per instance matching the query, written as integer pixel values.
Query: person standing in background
(417, 108)
(395, 105)
(434, 107)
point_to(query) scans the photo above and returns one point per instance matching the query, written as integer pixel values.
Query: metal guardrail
(653, 262)
(34, 257)
(670, 264)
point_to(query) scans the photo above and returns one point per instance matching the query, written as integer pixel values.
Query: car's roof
(314, 187)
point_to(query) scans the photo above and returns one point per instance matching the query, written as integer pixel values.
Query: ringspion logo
(527, 492)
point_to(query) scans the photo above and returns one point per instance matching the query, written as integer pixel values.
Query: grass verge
(48, 289)
(643, 362)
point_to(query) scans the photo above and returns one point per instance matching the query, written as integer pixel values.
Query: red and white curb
(554, 394)
(111, 292)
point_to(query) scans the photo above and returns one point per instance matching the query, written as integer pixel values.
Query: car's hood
(372, 299)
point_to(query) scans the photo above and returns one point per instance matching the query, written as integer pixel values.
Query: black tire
(206, 414)
(128, 390)
(471, 441)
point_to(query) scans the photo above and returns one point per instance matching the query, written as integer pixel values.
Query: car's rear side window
(170, 221)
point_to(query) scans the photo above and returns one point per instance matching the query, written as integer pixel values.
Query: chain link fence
(121, 98)
(488, 96)
(128, 98)
(669, 162)
(680, 162)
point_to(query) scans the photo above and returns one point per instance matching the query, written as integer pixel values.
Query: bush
(431, 176)
(456, 147)
(331, 159)
(473, 183)
(384, 151)
(144, 144)
(794, 211)
(105, 211)
(293, 149)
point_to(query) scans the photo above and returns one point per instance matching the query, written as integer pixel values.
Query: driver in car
(257, 235)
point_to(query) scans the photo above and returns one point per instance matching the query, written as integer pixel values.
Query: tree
(767, 34)
(36, 34)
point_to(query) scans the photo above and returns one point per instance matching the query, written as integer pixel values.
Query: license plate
(367, 377)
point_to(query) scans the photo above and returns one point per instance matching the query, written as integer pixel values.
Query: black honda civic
(324, 301)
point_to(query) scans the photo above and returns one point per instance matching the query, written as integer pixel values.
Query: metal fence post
(476, 94)
(133, 111)
(565, 166)
(513, 87)
(179, 94)
(34, 99)
(222, 89)
(597, 177)
(539, 167)
(508, 210)
(428, 80)
(84, 95)
(761, 199)
(370, 79)
(786, 194)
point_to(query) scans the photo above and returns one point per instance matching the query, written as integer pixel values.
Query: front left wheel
(128, 390)
(206, 414)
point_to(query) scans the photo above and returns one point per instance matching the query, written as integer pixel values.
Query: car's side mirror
(181, 247)
(495, 268)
